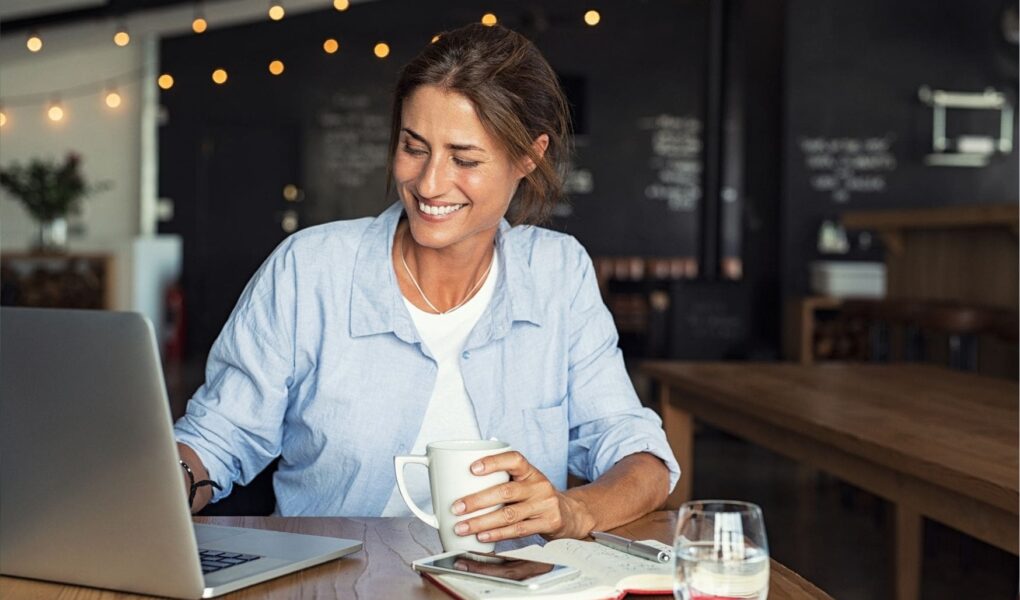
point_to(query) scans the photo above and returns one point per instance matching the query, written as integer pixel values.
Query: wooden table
(936, 443)
(382, 569)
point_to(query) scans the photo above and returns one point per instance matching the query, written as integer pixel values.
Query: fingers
(530, 502)
(512, 462)
(498, 494)
(540, 514)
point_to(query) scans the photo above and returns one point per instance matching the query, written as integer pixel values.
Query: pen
(631, 547)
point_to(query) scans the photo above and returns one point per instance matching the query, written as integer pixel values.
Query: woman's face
(452, 176)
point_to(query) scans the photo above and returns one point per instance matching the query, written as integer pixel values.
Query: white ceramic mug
(450, 479)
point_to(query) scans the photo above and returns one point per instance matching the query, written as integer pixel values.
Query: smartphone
(503, 569)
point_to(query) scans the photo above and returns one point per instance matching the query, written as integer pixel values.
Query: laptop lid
(90, 489)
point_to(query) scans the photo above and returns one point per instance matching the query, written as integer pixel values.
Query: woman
(360, 340)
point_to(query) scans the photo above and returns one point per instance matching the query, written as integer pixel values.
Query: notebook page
(603, 564)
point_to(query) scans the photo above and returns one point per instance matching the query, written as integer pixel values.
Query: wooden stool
(962, 324)
(879, 320)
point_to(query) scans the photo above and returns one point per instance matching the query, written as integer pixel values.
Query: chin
(429, 236)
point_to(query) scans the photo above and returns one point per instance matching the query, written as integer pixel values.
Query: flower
(49, 190)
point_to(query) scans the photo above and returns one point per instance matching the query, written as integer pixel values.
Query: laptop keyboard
(214, 560)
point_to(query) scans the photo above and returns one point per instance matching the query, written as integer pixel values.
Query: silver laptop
(90, 489)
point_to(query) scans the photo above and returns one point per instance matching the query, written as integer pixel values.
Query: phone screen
(500, 568)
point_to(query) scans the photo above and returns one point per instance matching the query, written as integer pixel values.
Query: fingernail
(459, 507)
(460, 528)
(483, 537)
(477, 468)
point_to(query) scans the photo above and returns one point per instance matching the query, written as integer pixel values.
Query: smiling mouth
(439, 211)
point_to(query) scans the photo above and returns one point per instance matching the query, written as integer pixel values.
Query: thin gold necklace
(474, 288)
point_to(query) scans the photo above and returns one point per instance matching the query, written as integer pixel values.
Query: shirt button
(466, 355)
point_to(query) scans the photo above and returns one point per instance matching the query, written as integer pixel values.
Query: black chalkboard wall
(636, 79)
(852, 73)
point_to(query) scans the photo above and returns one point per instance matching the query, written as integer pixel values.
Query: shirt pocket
(547, 431)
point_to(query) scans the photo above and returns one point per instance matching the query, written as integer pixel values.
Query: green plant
(47, 189)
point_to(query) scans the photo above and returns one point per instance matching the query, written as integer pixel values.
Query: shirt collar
(376, 303)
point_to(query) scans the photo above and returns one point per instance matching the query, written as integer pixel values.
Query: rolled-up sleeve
(234, 422)
(607, 421)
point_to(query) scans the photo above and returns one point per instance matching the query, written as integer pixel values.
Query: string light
(113, 99)
(276, 11)
(122, 38)
(219, 76)
(331, 46)
(435, 38)
(276, 67)
(34, 42)
(341, 5)
(165, 81)
(199, 25)
(382, 50)
(52, 101)
(489, 19)
(592, 17)
(55, 112)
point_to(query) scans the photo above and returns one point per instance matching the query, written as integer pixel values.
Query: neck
(447, 276)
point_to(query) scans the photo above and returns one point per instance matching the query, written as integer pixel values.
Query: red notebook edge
(439, 584)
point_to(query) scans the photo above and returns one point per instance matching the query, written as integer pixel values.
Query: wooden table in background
(382, 568)
(936, 443)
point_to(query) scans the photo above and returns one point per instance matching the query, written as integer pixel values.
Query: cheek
(404, 169)
(495, 188)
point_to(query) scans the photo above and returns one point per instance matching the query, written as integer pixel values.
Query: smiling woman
(439, 320)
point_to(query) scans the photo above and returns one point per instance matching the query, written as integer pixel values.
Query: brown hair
(516, 95)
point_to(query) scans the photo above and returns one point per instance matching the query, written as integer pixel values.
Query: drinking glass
(720, 552)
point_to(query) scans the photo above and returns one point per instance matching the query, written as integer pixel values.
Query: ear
(539, 146)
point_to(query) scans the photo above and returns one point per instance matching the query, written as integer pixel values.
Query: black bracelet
(194, 486)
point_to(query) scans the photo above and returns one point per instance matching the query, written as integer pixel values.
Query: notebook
(605, 573)
(90, 488)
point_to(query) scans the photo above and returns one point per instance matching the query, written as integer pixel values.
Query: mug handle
(399, 462)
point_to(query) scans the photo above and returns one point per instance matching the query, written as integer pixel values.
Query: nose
(432, 181)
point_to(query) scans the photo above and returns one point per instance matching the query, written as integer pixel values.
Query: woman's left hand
(531, 504)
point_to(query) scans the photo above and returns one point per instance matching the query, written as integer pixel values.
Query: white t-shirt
(450, 415)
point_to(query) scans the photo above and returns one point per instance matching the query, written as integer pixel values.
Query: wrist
(579, 519)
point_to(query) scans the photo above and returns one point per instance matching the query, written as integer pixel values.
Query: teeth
(438, 211)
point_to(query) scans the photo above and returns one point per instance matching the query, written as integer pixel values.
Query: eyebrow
(422, 139)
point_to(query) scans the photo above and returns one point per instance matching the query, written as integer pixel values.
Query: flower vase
(52, 236)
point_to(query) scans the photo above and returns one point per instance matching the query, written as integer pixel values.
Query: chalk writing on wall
(843, 166)
(675, 159)
(354, 139)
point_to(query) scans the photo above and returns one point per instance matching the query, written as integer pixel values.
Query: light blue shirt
(320, 363)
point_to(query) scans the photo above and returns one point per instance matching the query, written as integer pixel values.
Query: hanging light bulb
(276, 67)
(165, 81)
(341, 5)
(34, 42)
(199, 24)
(382, 50)
(331, 46)
(55, 112)
(489, 19)
(122, 38)
(592, 17)
(219, 76)
(276, 11)
(113, 98)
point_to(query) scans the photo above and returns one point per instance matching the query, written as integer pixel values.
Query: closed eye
(411, 150)
(469, 164)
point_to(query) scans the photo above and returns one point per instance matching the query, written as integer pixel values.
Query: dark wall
(637, 78)
(852, 73)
